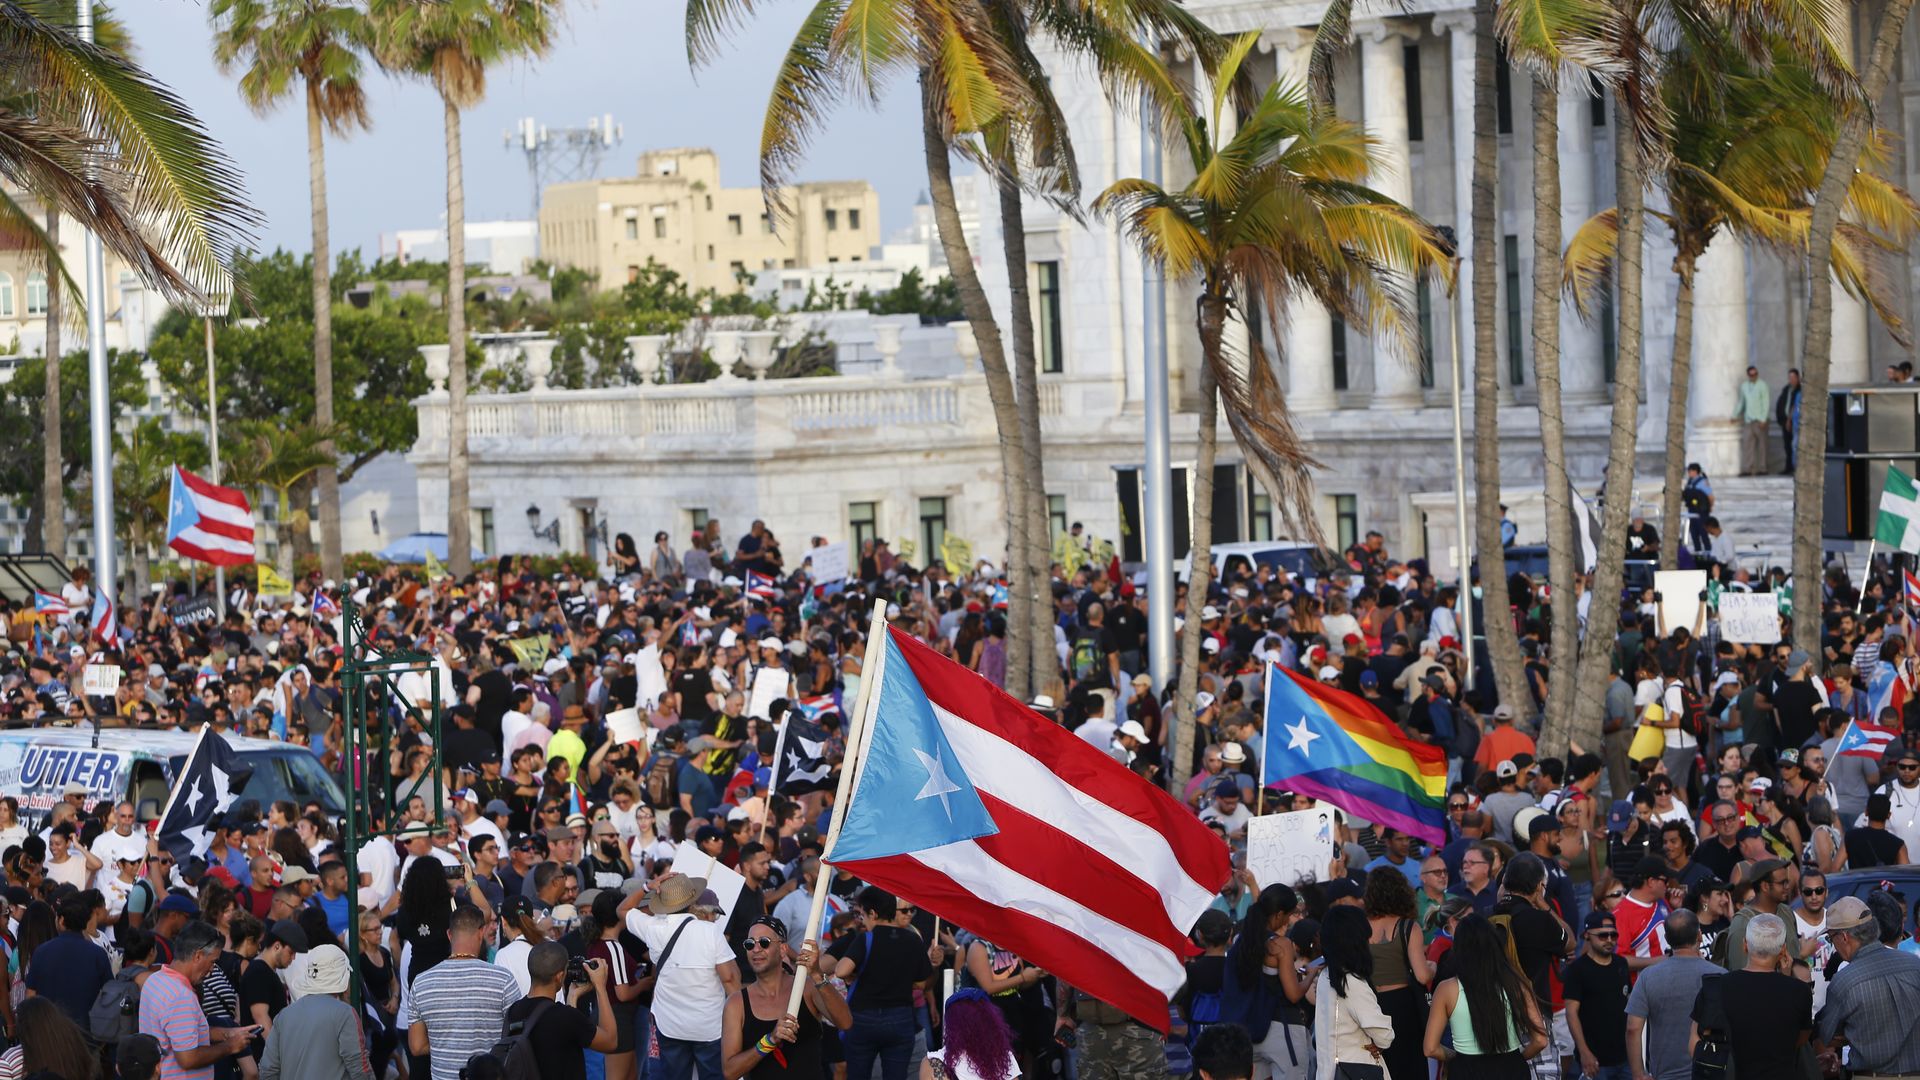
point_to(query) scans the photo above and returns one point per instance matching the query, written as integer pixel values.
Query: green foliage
(939, 304)
(20, 401)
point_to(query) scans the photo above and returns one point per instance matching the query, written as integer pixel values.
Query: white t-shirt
(380, 861)
(689, 1000)
(1234, 822)
(481, 826)
(110, 847)
(513, 957)
(445, 859)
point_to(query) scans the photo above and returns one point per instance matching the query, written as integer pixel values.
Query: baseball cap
(1133, 728)
(1847, 913)
(1329, 672)
(1597, 920)
(1506, 769)
(1228, 788)
(576, 818)
(1369, 679)
(559, 832)
(1619, 814)
(1342, 888)
(73, 787)
(288, 933)
(179, 902)
(293, 875)
(1541, 826)
(707, 832)
(497, 806)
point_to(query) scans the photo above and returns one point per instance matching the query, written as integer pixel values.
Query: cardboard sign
(100, 680)
(768, 684)
(725, 882)
(193, 611)
(829, 563)
(625, 726)
(1287, 849)
(1750, 618)
(1680, 601)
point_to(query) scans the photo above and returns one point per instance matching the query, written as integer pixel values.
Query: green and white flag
(1899, 522)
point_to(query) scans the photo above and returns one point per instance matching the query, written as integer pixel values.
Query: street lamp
(551, 534)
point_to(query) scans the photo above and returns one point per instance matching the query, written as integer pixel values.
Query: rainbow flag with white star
(1333, 746)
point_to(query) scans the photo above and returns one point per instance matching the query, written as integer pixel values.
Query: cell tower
(561, 155)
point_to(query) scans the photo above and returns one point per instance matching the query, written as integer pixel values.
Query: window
(1503, 93)
(660, 227)
(863, 524)
(1057, 513)
(737, 268)
(6, 296)
(1609, 342)
(1410, 59)
(709, 202)
(36, 293)
(1259, 514)
(1425, 300)
(1339, 353)
(733, 225)
(697, 517)
(853, 218)
(633, 273)
(787, 264)
(633, 228)
(1516, 352)
(766, 224)
(1052, 360)
(483, 528)
(833, 220)
(933, 529)
(709, 252)
(1346, 520)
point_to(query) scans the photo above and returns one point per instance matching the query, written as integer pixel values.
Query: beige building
(676, 213)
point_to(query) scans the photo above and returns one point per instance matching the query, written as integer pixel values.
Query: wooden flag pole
(858, 730)
(1866, 577)
(773, 778)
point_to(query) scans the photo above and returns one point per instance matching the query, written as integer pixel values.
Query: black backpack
(515, 1052)
(116, 1008)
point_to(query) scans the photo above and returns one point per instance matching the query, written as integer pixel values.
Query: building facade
(676, 213)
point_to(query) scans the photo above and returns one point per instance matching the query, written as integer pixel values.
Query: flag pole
(1866, 576)
(857, 730)
(773, 777)
(1260, 797)
(205, 730)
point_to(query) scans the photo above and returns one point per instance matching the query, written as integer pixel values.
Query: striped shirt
(464, 1005)
(170, 1012)
(1866, 661)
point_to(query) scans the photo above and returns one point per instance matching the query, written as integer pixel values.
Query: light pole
(1156, 493)
(99, 393)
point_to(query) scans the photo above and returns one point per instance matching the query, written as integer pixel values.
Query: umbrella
(413, 548)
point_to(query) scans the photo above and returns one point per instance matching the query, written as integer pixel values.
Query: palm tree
(277, 457)
(1809, 467)
(143, 463)
(1278, 208)
(273, 42)
(452, 43)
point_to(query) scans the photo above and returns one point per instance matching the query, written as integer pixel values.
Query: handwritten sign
(829, 563)
(650, 675)
(1750, 618)
(192, 612)
(100, 680)
(1287, 849)
(625, 726)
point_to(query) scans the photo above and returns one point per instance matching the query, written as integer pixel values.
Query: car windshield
(1293, 560)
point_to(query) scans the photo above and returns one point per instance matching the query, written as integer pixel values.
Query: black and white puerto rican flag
(209, 782)
(802, 766)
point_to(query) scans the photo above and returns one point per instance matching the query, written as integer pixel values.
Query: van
(1303, 560)
(138, 765)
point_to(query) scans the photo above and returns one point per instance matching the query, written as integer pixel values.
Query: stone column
(1308, 329)
(1583, 372)
(1849, 365)
(1383, 96)
(1719, 356)
(1458, 26)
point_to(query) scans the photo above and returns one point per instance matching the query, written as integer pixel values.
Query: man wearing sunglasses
(756, 1023)
(1596, 984)
(1903, 795)
(1810, 926)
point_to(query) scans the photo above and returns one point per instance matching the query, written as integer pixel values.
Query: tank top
(1390, 960)
(1461, 1025)
(993, 662)
(803, 1054)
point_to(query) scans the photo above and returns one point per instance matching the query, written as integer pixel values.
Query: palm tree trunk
(993, 360)
(1676, 463)
(459, 544)
(1036, 558)
(1596, 659)
(1503, 645)
(284, 556)
(53, 501)
(1212, 321)
(1561, 556)
(331, 564)
(1809, 463)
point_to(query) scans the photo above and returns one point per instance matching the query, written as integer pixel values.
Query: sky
(626, 57)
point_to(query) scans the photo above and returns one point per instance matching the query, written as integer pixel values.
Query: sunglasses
(1813, 892)
(1603, 934)
(1456, 806)
(1613, 895)
(760, 942)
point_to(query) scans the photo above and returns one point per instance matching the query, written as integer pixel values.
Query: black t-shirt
(1717, 857)
(466, 746)
(496, 697)
(559, 1039)
(693, 684)
(1872, 847)
(1126, 627)
(888, 961)
(261, 985)
(1793, 708)
(1601, 990)
(1539, 940)
(1767, 1011)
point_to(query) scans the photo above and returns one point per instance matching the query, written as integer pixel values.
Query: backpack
(1466, 735)
(1693, 714)
(116, 1009)
(515, 1052)
(1086, 658)
(1694, 499)
(661, 781)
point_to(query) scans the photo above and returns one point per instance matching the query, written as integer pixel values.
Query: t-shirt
(689, 1001)
(69, 971)
(1663, 996)
(698, 786)
(461, 1002)
(1718, 857)
(1643, 927)
(1767, 1011)
(1794, 705)
(260, 985)
(1538, 938)
(558, 1040)
(1601, 990)
(1504, 806)
(170, 1012)
(1872, 847)
(888, 961)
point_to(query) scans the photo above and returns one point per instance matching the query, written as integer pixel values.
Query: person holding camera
(550, 1019)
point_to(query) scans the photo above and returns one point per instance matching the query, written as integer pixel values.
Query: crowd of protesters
(523, 913)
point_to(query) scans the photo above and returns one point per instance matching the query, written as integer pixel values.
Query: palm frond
(805, 87)
(1262, 426)
(707, 22)
(1860, 264)
(872, 38)
(21, 230)
(1586, 268)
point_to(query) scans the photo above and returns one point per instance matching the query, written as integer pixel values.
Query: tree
(452, 43)
(1276, 208)
(263, 454)
(23, 410)
(317, 42)
(1809, 466)
(143, 462)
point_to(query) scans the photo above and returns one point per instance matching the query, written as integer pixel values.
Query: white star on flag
(937, 782)
(223, 795)
(1303, 736)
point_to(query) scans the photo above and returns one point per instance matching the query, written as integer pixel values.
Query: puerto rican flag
(1888, 689)
(1912, 590)
(817, 706)
(207, 522)
(324, 606)
(52, 605)
(104, 623)
(971, 806)
(762, 586)
(1866, 740)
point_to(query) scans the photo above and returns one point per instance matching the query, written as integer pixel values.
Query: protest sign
(1749, 618)
(100, 680)
(1679, 592)
(829, 563)
(192, 612)
(1287, 849)
(725, 882)
(768, 684)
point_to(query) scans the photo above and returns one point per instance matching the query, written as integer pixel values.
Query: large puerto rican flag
(972, 806)
(207, 522)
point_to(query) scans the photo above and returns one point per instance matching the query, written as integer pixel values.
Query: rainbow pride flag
(1334, 746)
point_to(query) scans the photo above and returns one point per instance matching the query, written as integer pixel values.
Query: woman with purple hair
(978, 1044)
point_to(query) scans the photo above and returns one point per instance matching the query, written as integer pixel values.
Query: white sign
(1750, 618)
(100, 680)
(829, 562)
(725, 882)
(651, 676)
(1680, 602)
(625, 726)
(768, 684)
(1287, 849)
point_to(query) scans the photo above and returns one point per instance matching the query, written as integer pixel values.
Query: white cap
(552, 665)
(1209, 612)
(1202, 700)
(771, 642)
(1133, 728)
(1329, 672)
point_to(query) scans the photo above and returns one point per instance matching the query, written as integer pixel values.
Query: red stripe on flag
(215, 527)
(1056, 859)
(209, 489)
(1076, 762)
(1077, 961)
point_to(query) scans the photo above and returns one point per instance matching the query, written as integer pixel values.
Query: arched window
(6, 296)
(36, 293)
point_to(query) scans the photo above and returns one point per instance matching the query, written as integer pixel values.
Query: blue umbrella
(413, 548)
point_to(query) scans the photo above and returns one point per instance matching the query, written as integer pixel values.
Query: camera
(577, 969)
